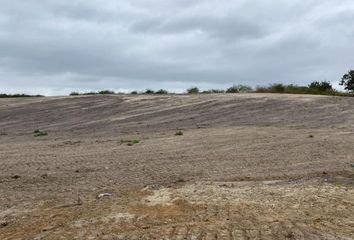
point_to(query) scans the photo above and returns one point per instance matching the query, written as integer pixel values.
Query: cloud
(59, 46)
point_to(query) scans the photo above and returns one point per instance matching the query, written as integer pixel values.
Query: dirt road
(248, 166)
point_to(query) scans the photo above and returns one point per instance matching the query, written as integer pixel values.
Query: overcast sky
(54, 47)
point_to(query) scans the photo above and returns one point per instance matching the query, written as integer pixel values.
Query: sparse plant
(179, 132)
(133, 142)
(149, 91)
(39, 133)
(74, 94)
(311, 136)
(134, 92)
(193, 90)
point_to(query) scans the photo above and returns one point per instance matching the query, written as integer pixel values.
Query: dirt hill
(248, 166)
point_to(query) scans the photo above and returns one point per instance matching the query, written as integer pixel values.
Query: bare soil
(248, 166)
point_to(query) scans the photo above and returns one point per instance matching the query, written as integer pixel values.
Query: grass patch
(39, 133)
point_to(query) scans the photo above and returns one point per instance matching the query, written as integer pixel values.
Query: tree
(149, 91)
(193, 90)
(232, 89)
(348, 81)
(161, 91)
(323, 86)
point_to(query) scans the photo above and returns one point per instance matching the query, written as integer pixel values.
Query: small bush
(322, 87)
(89, 93)
(233, 89)
(149, 91)
(161, 91)
(3, 95)
(193, 90)
(311, 136)
(277, 88)
(244, 88)
(39, 133)
(179, 133)
(106, 92)
(74, 94)
(134, 92)
(133, 142)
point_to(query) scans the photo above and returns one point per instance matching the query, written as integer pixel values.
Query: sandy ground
(248, 166)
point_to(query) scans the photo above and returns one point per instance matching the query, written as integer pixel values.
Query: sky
(55, 47)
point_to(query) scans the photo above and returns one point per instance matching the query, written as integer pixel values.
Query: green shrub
(133, 142)
(134, 92)
(89, 93)
(179, 133)
(149, 91)
(3, 95)
(39, 133)
(161, 91)
(321, 86)
(106, 92)
(244, 88)
(277, 88)
(232, 89)
(193, 90)
(74, 94)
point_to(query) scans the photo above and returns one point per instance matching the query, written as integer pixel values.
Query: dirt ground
(248, 166)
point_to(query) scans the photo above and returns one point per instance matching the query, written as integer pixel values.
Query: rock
(3, 224)
(101, 195)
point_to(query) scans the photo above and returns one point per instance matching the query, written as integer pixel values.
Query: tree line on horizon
(315, 87)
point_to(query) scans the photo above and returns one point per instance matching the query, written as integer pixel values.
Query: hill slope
(243, 160)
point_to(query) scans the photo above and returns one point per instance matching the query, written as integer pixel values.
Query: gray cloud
(58, 46)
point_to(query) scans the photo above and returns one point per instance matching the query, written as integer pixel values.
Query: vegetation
(323, 88)
(39, 133)
(239, 88)
(179, 133)
(348, 81)
(214, 91)
(106, 92)
(92, 93)
(149, 91)
(161, 91)
(193, 90)
(3, 95)
(133, 142)
(134, 92)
